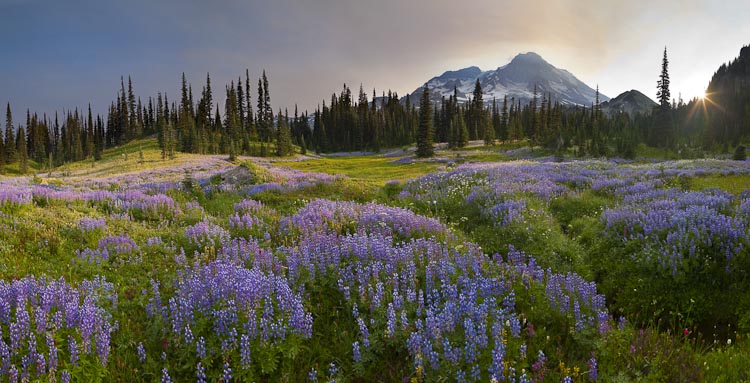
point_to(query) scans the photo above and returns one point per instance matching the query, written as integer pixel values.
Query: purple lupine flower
(200, 348)
(200, 373)
(141, 352)
(165, 378)
(226, 374)
(332, 369)
(593, 371)
(364, 332)
(355, 351)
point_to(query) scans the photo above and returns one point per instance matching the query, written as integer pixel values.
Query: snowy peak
(516, 80)
(471, 72)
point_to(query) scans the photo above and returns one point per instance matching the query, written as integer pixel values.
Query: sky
(58, 55)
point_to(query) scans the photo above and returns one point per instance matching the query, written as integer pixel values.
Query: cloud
(73, 53)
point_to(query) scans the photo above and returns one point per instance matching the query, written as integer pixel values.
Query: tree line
(251, 127)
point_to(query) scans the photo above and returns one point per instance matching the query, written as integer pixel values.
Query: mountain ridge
(516, 80)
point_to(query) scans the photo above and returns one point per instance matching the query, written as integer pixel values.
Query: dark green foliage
(345, 123)
(22, 153)
(284, 145)
(739, 153)
(10, 136)
(661, 135)
(425, 132)
(459, 132)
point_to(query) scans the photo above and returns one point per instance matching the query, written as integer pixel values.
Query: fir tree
(2, 153)
(283, 136)
(504, 120)
(461, 132)
(21, 150)
(662, 134)
(10, 136)
(662, 85)
(425, 131)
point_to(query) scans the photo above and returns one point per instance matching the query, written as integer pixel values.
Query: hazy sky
(61, 54)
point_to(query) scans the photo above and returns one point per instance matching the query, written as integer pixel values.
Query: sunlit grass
(734, 183)
(370, 168)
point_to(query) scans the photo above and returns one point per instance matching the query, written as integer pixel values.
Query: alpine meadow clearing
(456, 268)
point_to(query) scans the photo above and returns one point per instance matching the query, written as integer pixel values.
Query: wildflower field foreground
(519, 271)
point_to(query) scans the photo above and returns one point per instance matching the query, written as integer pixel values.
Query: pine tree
(489, 126)
(459, 129)
(425, 131)
(504, 120)
(10, 137)
(662, 92)
(477, 123)
(98, 139)
(21, 149)
(283, 136)
(662, 134)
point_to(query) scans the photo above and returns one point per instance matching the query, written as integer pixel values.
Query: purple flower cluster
(148, 206)
(40, 315)
(240, 309)
(677, 227)
(108, 247)
(325, 216)
(571, 294)
(12, 195)
(205, 234)
(507, 212)
(456, 308)
(284, 179)
(87, 224)
(250, 218)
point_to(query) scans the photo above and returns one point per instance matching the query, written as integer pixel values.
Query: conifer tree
(662, 134)
(476, 113)
(98, 139)
(489, 126)
(2, 153)
(461, 132)
(283, 136)
(10, 137)
(504, 120)
(21, 150)
(425, 130)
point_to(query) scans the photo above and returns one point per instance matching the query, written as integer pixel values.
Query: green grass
(377, 170)
(735, 183)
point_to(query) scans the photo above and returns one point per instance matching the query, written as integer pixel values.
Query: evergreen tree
(425, 132)
(504, 120)
(2, 153)
(10, 136)
(662, 93)
(477, 123)
(662, 134)
(98, 139)
(283, 136)
(489, 126)
(459, 129)
(21, 150)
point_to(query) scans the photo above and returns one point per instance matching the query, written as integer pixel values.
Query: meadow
(478, 267)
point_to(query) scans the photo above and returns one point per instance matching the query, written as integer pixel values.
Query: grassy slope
(368, 168)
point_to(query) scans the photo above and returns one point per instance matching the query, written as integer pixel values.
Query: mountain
(516, 80)
(631, 102)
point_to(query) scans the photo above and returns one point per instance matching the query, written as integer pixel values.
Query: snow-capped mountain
(516, 80)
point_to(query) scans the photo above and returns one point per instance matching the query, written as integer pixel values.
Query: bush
(739, 154)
